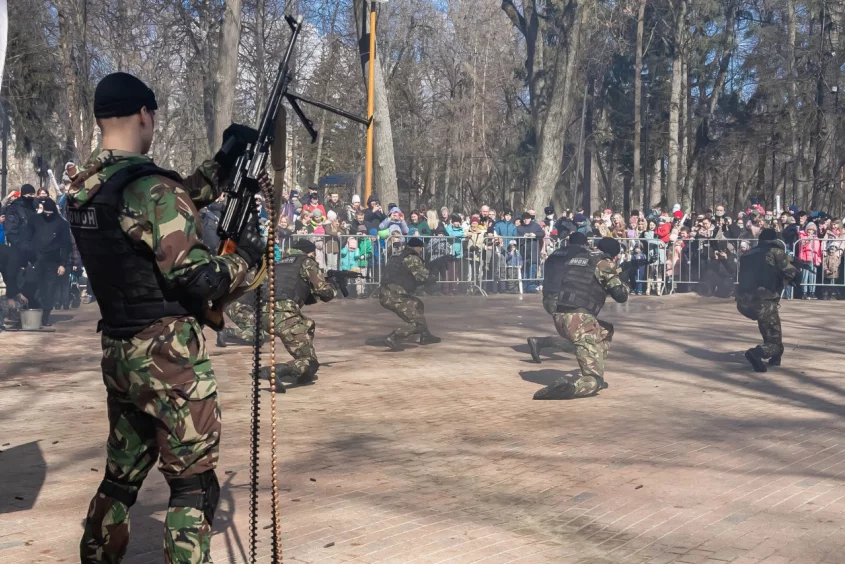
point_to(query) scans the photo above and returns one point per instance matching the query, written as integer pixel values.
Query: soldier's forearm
(203, 185)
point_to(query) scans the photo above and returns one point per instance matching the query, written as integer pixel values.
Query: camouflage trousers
(765, 312)
(243, 318)
(296, 333)
(162, 407)
(410, 309)
(590, 339)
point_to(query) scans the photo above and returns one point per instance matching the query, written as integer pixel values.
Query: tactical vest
(397, 272)
(756, 272)
(290, 285)
(123, 274)
(580, 289)
(553, 269)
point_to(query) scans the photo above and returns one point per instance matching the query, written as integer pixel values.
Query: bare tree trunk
(384, 161)
(73, 47)
(637, 176)
(656, 190)
(328, 60)
(260, 68)
(587, 186)
(550, 80)
(675, 105)
(797, 185)
(226, 73)
(684, 181)
(823, 168)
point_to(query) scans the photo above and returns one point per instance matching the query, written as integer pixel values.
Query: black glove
(236, 139)
(251, 246)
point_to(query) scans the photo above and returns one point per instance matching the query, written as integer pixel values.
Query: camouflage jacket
(607, 273)
(778, 258)
(162, 214)
(417, 267)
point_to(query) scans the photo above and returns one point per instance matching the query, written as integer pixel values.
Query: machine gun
(441, 263)
(243, 183)
(340, 279)
(629, 265)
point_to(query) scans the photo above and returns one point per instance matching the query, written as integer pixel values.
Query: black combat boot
(392, 342)
(221, 339)
(563, 388)
(534, 346)
(774, 361)
(755, 357)
(427, 338)
(265, 371)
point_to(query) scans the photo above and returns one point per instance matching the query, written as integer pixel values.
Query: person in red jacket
(314, 204)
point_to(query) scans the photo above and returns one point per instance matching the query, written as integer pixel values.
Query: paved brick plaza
(439, 454)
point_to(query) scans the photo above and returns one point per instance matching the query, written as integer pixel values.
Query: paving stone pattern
(438, 454)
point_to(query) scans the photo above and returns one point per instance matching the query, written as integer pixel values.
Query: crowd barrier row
(487, 263)
(492, 263)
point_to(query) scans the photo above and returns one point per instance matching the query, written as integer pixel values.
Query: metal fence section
(492, 263)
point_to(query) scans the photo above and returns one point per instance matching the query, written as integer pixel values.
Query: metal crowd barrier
(496, 264)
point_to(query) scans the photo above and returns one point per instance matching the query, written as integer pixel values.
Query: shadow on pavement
(23, 470)
(544, 377)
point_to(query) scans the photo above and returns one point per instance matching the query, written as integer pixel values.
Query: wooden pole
(371, 86)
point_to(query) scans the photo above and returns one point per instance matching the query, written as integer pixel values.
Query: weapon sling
(239, 206)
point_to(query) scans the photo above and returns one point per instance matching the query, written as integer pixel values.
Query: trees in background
(575, 102)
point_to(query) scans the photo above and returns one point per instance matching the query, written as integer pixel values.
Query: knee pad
(183, 493)
(118, 490)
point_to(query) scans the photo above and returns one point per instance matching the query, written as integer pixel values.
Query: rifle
(441, 263)
(243, 182)
(340, 278)
(629, 265)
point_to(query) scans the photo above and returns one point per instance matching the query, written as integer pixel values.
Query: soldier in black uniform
(587, 278)
(762, 273)
(402, 274)
(552, 277)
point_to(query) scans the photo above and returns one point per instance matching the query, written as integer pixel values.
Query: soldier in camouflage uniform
(402, 274)
(138, 233)
(551, 289)
(586, 278)
(299, 282)
(762, 273)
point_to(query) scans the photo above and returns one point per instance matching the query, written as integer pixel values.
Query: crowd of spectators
(497, 251)
(503, 251)
(39, 263)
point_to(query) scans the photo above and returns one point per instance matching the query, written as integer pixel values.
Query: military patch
(287, 260)
(83, 219)
(578, 261)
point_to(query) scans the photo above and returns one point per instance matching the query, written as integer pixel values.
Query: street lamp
(371, 87)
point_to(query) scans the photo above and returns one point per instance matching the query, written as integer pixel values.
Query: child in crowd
(513, 262)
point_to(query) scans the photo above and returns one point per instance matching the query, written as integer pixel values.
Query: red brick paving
(438, 454)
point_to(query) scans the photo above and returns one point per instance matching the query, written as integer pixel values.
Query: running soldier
(762, 273)
(402, 274)
(137, 230)
(585, 280)
(299, 282)
(553, 271)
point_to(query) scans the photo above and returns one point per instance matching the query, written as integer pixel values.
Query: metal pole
(4, 169)
(371, 86)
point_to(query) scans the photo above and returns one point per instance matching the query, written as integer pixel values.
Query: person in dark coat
(51, 241)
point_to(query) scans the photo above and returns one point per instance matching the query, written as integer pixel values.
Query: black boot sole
(756, 362)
